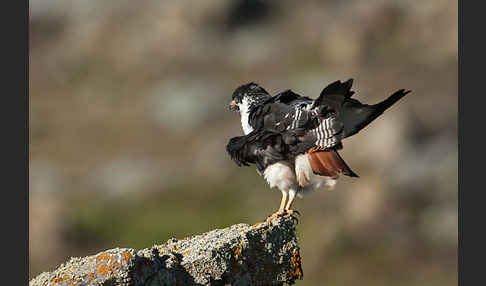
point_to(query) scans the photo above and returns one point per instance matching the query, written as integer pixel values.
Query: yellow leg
(289, 203)
(291, 199)
(282, 203)
(281, 210)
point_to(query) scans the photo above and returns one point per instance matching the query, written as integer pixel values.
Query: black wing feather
(266, 147)
(333, 96)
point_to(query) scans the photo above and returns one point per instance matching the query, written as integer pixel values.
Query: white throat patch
(244, 107)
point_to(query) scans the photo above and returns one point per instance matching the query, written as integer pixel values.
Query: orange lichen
(101, 269)
(102, 256)
(107, 264)
(257, 224)
(186, 252)
(57, 279)
(237, 251)
(235, 264)
(296, 263)
(126, 256)
(60, 279)
(175, 258)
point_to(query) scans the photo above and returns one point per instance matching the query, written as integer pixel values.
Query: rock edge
(242, 254)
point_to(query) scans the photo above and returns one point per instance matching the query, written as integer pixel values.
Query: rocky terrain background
(129, 119)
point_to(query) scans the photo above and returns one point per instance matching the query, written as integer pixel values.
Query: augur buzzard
(294, 140)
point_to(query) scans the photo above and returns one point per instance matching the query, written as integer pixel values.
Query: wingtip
(404, 91)
(352, 174)
(348, 84)
(400, 93)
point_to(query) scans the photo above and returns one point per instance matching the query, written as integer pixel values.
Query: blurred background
(129, 120)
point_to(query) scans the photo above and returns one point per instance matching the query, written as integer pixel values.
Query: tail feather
(356, 116)
(385, 104)
(318, 168)
(328, 163)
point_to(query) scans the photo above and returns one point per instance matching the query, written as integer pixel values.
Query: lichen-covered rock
(242, 254)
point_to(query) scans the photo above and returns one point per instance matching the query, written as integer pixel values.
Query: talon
(278, 213)
(291, 212)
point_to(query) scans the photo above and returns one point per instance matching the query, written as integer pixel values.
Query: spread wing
(289, 124)
(310, 126)
(328, 119)
(290, 111)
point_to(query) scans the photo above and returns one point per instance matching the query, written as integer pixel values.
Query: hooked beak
(233, 106)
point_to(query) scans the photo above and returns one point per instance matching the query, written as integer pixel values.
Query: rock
(242, 254)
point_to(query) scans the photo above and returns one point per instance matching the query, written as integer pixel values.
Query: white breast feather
(303, 170)
(280, 175)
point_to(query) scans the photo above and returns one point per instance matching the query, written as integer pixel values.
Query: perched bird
(294, 140)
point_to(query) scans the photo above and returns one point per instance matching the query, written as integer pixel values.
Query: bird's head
(248, 95)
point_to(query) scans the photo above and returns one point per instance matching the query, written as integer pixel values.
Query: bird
(293, 140)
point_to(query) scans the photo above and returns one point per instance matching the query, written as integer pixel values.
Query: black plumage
(265, 147)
